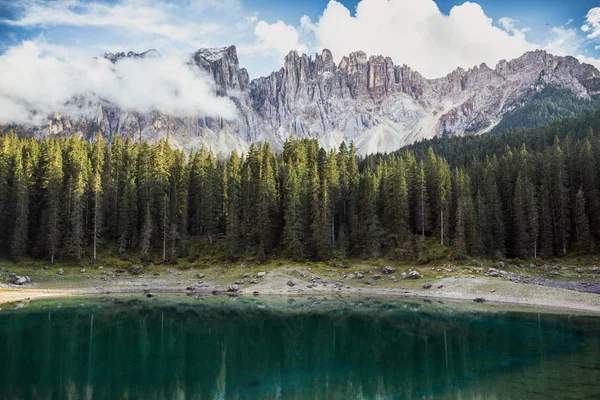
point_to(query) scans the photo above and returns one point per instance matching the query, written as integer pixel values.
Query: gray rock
(246, 276)
(200, 276)
(479, 300)
(414, 275)
(291, 283)
(138, 269)
(21, 280)
(261, 274)
(46, 267)
(579, 270)
(388, 270)
(359, 275)
(82, 270)
(198, 286)
(253, 281)
(350, 276)
(61, 271)
(493, 272)
(376, 276)
(502, 265)
(403, 275)
(233, 288)
(427, 285)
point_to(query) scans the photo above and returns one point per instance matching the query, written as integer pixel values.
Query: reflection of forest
(222, 351)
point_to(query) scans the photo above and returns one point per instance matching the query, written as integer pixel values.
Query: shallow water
(238, 348)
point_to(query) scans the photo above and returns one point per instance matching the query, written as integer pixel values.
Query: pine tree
(582, 224)
(234, 205)
(52, 181)
(78, 167)
(292, 230)
(267, 200)
(95, 189)
(21, 207)
(421, 201)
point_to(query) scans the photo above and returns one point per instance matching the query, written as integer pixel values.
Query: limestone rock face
(369, 100)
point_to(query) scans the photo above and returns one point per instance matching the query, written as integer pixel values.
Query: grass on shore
(428, 257)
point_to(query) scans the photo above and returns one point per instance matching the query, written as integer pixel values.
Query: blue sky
(433, 37)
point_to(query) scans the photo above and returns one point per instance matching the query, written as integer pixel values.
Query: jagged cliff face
(378, 105)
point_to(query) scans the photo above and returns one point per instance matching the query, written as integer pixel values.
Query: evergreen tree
(21, 207)
(95, 190)
(582, 224)
(292, 230)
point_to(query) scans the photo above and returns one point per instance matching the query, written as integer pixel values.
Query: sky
(56, 41)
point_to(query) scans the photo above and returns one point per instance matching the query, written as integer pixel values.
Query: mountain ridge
(366, 99)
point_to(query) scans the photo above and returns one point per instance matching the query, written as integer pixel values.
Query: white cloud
(145, 16)
(37, 81)
(247, 22)
(589, 60)
(565, 41)
(276, 39)
(415, 32)
(592, 23)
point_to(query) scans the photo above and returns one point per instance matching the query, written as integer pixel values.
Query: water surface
(239, 348)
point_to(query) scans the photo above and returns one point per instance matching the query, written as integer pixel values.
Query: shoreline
(527, 296)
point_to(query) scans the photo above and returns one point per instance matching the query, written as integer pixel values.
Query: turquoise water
(228, 348)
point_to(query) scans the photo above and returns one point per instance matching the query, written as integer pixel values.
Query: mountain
(369, 100)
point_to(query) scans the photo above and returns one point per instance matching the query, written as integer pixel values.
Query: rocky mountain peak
(364, 98)
(114, 57)
(223, 65)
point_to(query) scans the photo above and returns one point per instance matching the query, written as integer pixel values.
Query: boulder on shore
(427, 285)
(388, 270)
(261, 274)
(138, 269)
(61, 271)
(414, 275)
(233, 288)
(20, 280)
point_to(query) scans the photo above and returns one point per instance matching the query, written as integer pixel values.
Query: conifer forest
(520, 194)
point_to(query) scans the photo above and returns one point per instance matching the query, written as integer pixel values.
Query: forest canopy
(523, 193)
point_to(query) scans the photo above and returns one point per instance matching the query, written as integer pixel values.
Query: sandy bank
(460, 288)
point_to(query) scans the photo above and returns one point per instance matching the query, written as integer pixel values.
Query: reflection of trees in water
(227, 351)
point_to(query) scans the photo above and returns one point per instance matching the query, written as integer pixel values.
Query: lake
(220, 347)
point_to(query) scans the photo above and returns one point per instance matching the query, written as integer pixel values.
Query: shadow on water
(313, 349)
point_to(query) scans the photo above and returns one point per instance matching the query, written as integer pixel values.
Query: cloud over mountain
(38, 81)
